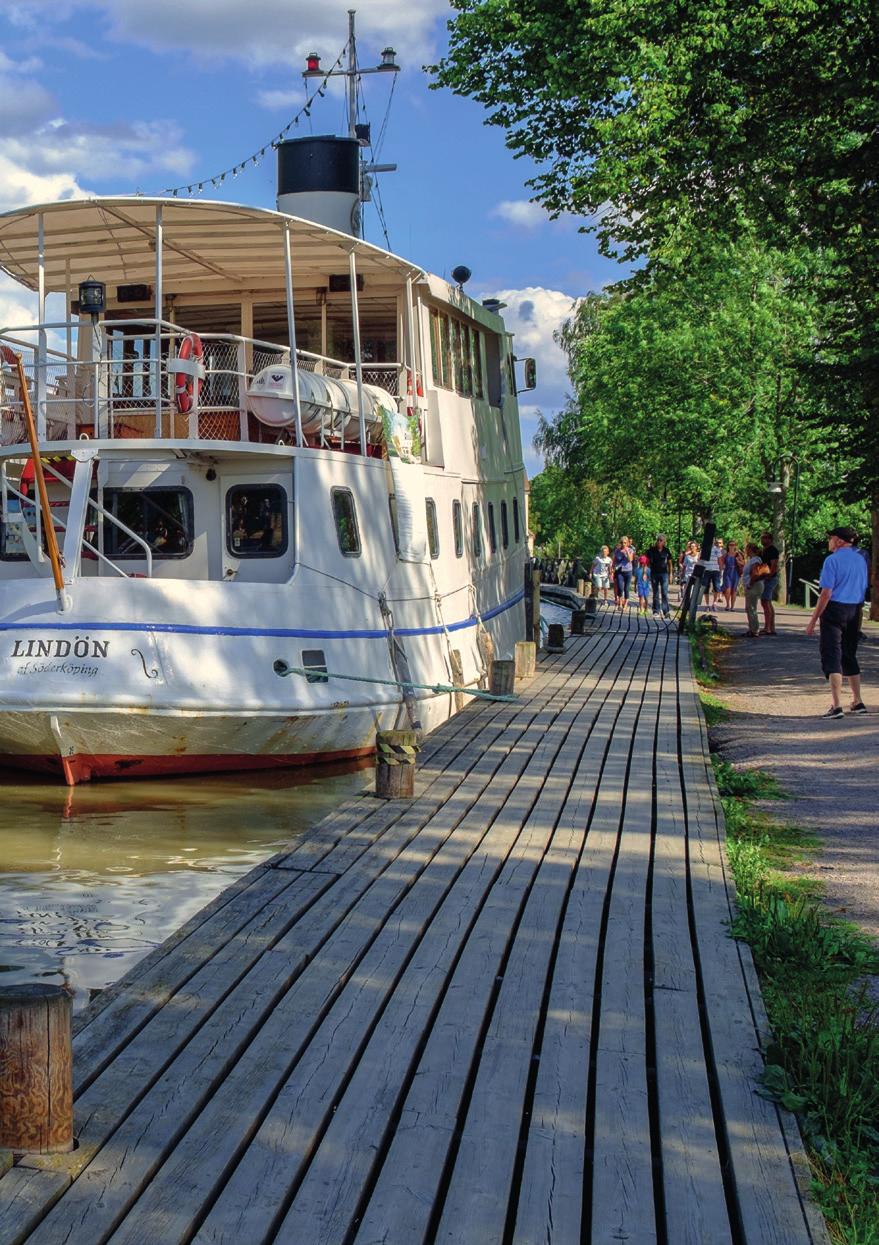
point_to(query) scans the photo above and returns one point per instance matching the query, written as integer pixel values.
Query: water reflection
(91, 878)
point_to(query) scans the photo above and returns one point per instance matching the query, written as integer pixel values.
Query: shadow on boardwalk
(505, 1011)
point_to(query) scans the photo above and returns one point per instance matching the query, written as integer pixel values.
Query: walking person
(843, 584)
(601, 566)
(660, 562)
(623, 566)
(770, 582)
(733, 564)
(752, 581)
(642, 583)
(711, 577)
(689, 558)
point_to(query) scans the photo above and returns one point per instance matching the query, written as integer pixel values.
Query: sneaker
(859, 708)
(833, 712)
(656, 613)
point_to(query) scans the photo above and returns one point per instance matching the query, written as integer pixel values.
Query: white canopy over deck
(208, 247)
(202, 256)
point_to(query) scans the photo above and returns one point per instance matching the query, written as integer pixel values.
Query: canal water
(93, 877)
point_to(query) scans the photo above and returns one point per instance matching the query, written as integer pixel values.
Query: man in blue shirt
(843, 586)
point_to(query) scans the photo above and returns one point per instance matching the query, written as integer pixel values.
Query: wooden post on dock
(395, 753)
(457, 667)
(36, 1069)
(526, 659)
(578, 622)
(535, 609)
(503, 678)
(555, 640)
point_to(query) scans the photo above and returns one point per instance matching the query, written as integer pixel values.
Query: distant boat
(267, 444)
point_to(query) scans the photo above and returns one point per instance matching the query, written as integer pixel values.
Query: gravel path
(776, 692)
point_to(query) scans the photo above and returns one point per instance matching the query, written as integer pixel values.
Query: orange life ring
(419, 389)
(184, 382)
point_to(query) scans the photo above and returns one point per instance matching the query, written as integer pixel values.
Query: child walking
(642, 583)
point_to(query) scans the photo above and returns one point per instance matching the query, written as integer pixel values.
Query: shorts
(600, 581)
(840, 631)
(644, 591)
(711, 579)
(769, 586)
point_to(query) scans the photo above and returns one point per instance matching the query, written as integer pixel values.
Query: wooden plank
(481, 1183)
(25, 1195)
(176, 1192)
(400, 1205)
(112, 1179)
(766, 1190)
(550, 1203)
(258, 1187)
(95, 1045)
(694, 1199)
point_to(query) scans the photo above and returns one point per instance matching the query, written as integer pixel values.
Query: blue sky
(125, 96)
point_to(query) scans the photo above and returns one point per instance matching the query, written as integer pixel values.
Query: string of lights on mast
(356, 131)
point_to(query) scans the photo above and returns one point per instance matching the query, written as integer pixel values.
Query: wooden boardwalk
(506, 1011)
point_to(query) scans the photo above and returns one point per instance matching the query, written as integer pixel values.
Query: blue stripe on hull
(282, 633)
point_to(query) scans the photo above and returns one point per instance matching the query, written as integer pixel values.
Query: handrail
(113, 519)
(48, 525)
(810, 587)
(60, 522)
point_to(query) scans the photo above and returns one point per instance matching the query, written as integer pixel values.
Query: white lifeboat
(325, 403)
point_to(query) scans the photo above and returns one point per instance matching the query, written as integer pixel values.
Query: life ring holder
(188, 369)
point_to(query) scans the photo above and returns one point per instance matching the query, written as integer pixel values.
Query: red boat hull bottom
(83, 767)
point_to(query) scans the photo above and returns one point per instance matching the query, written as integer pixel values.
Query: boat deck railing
(133, 382)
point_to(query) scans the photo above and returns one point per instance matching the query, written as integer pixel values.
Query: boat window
(505, 525)
(492, 530)
(160, 516)
(432, 528)
(477, 531)
(458, 528)
(445, 352)
(256, 521)
(478, 387)
(345, 517)
(392, 507)
(516, 519)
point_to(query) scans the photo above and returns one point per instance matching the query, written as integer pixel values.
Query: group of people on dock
(752, 569)
(731, 568)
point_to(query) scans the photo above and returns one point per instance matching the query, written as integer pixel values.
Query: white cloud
(279, 99)
(261, 32)
(521, 212)
(20, 186)
(533, 315)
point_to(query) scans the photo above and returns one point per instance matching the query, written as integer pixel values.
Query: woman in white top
(601, 565)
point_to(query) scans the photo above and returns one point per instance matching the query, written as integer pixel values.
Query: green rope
(281, 668)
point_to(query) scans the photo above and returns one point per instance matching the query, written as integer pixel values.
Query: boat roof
(206, 245)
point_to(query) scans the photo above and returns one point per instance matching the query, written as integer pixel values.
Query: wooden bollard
(591, 605)
(578, 622)
(581, 587)
(395, 753)
(36, 1069)
(526, 659)
(555, 638)
(503, 678)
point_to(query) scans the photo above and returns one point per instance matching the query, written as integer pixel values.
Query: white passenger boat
(267, 445)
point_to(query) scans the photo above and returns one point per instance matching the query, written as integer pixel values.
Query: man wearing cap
(660, 562)
(843, 586)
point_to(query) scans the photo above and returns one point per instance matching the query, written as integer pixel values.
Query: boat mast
(359, 133)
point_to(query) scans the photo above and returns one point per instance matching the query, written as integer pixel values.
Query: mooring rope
(281, 668)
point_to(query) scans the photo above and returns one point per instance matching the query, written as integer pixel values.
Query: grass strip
(823, 1062)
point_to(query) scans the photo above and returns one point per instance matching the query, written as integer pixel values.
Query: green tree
(689, 387)
(664, 121)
